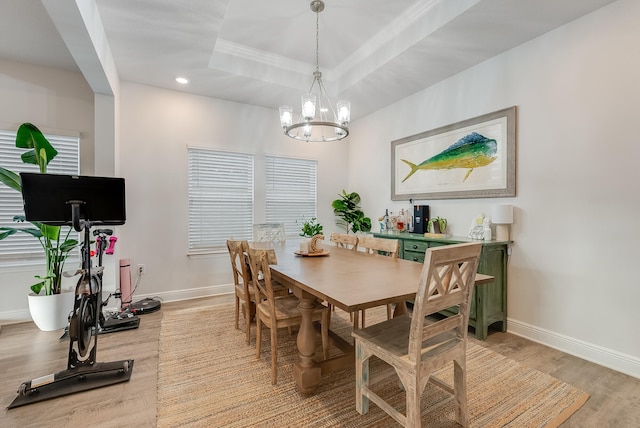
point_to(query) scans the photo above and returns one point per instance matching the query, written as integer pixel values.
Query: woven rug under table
(209, 377)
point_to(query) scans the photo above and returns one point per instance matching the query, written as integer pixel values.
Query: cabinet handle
(415, 247)
(415, 259)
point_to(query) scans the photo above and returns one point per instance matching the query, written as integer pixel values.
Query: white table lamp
(502, 217)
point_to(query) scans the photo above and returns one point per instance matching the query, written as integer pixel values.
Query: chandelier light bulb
(308, 107)
(307, 131)
(344, 111)
(286, 116)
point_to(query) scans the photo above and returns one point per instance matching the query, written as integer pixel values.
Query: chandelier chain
(317, 41)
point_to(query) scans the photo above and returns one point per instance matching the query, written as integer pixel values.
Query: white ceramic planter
(51, 312)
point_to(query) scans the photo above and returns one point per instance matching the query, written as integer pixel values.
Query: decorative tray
(322, 253)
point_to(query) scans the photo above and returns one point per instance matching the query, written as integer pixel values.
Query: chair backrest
(447, 280)
(269, 232)
(259, 263)
(344, 240)
(374, 245)
(241, 272)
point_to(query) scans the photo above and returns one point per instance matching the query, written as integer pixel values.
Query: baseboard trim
(617, 361)
(187, 294)
(23, 315)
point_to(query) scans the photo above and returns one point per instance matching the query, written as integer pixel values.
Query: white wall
(55, 101)
(573, 279)
(157, 126)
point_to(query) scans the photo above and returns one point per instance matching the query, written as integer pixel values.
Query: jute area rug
(209, 377)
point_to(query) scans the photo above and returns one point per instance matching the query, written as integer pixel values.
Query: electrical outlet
(140, 269)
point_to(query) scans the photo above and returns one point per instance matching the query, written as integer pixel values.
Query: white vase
(51, 312)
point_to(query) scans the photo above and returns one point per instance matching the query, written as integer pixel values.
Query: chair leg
(362, 316)
(324, 333)
(258, 333)
(237, 313)
(460, 392)
(274, 355)
(247, 320)
(362, 378)
(413, 392)
(389, 311)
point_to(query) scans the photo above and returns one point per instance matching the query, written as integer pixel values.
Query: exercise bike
(83, 372)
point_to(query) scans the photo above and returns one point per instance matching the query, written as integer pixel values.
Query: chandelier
(318, 121)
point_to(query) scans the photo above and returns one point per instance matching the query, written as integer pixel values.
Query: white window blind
(291, 192)
(21, 247)
(220, 198)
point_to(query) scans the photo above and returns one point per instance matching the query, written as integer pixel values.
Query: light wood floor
(28, 353)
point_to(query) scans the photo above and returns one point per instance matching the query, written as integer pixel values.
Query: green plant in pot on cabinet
(437, 224)
(348, 209)
(56, 245)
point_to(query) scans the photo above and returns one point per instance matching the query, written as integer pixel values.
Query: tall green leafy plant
(348, 209)
(56, 247)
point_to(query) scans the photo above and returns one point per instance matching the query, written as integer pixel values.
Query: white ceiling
(372, 52)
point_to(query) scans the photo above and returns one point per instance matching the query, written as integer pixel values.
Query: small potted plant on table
(311, 231)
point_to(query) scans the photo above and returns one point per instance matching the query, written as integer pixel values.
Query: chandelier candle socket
(315, 123)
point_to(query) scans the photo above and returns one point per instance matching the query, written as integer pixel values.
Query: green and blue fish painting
(471, 151)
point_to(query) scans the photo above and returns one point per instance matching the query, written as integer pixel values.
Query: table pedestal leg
(400, 309)
(305, 372)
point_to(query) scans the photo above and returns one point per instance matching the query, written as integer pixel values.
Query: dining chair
(269, 232)
(348, 241)
(279, 312)
(243, 284)
(377, 246)
(344, 240)
(415, 347)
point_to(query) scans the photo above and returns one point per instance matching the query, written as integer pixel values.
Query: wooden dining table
(347, 279)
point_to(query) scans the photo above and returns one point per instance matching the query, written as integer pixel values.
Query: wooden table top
(349, 279)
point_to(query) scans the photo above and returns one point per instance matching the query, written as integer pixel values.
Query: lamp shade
(502, 214)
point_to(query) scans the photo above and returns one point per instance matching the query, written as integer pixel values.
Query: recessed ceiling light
(182, 80)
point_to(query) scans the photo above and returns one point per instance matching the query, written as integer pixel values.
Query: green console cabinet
(489, 301)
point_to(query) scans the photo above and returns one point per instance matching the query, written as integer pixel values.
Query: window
(20, 246)
(220, 198)
(291, 192)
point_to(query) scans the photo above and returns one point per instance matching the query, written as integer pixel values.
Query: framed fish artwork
(474, 158)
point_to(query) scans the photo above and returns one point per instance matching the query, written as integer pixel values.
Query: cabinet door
(493, 262)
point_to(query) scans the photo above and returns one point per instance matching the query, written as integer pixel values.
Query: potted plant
(348, 209)
(438, 224)
(56, 245)
(310, 228)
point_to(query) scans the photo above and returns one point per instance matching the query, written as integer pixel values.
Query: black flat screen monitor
(47, 198)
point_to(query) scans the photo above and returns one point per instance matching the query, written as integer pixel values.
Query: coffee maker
(420, 218)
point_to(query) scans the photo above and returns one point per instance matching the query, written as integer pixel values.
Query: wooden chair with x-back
(244, 293)
(418, 346)
(344, 240)
(377, 246)
(278, 312)
(243, 283)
